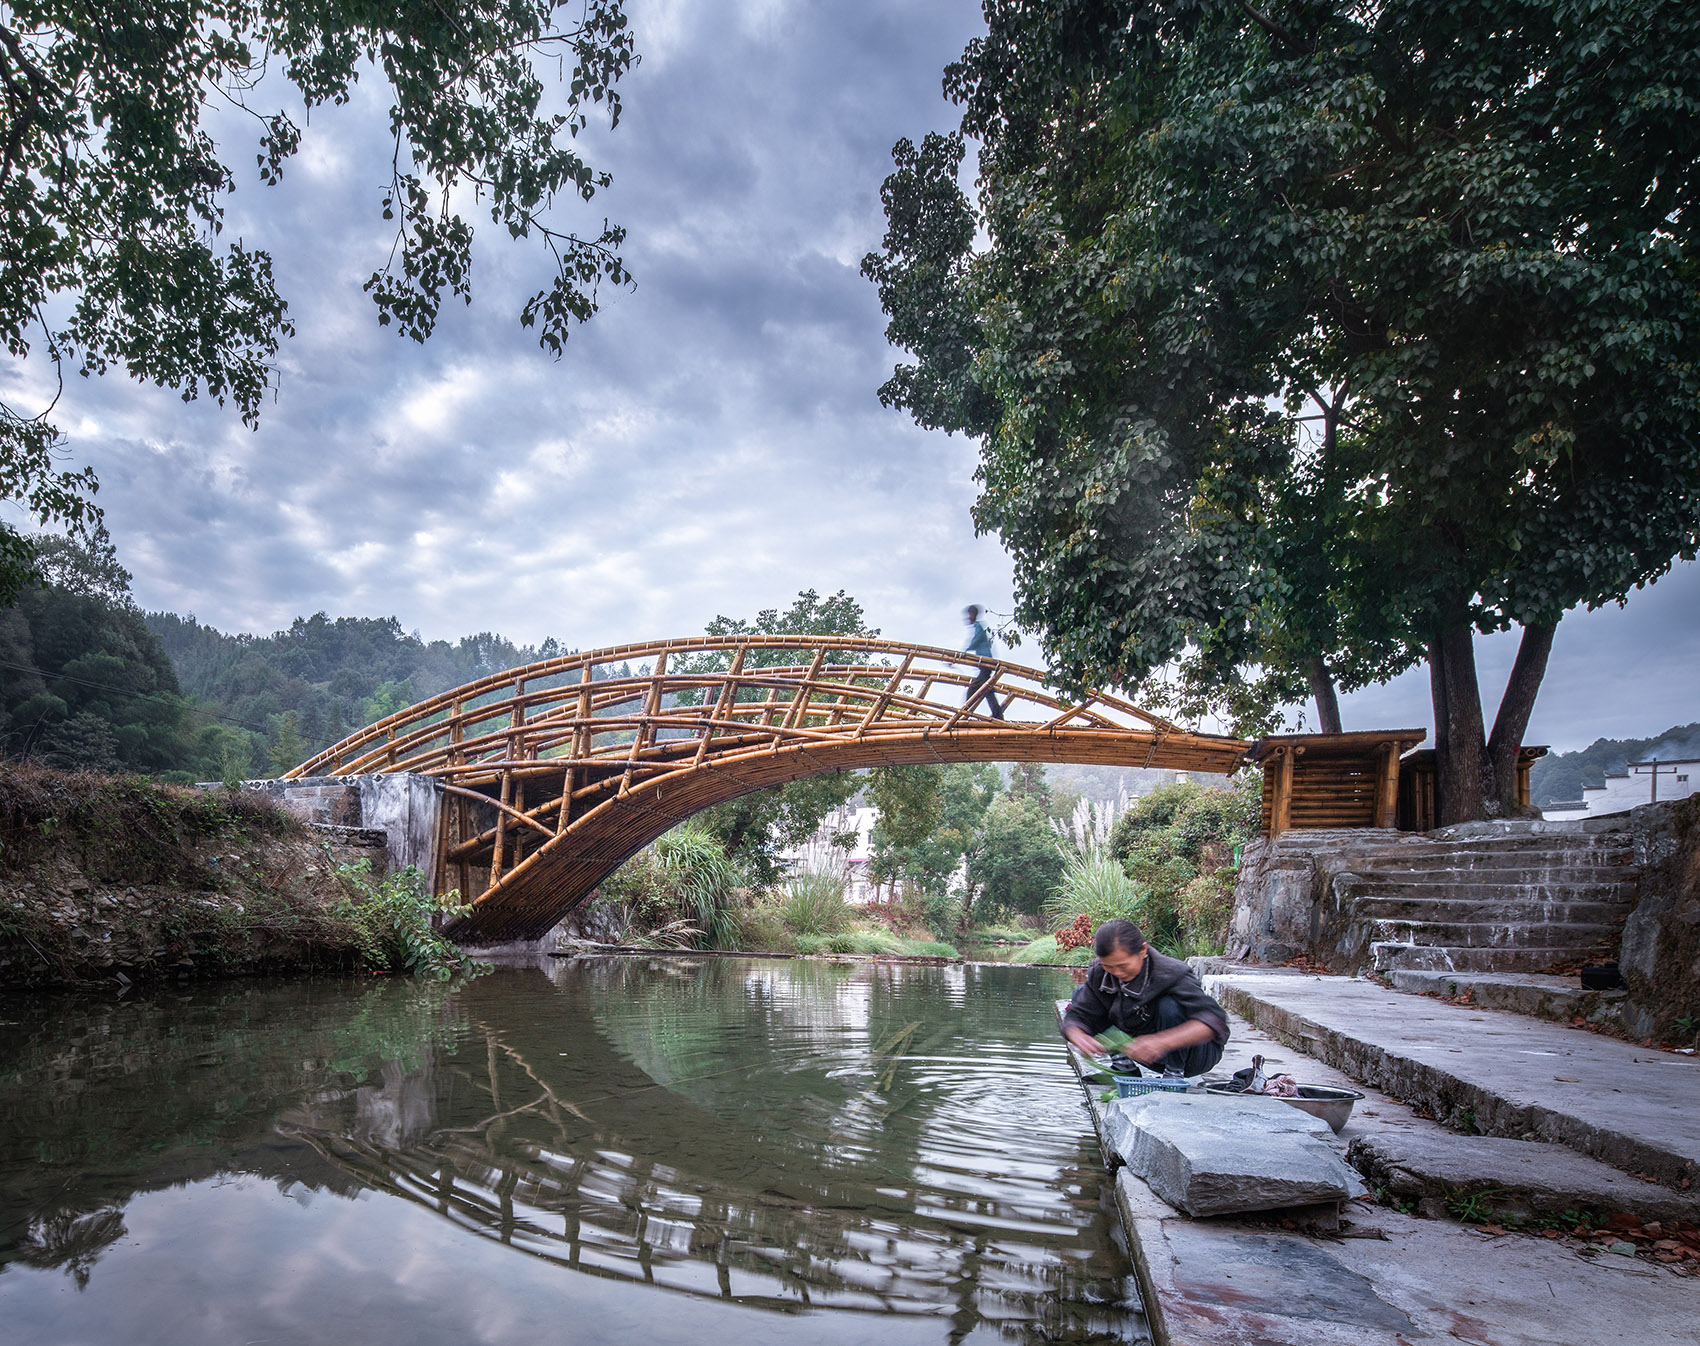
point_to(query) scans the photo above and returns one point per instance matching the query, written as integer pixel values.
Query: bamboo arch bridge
(555, 773)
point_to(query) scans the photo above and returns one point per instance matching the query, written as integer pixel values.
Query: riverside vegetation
(1003, 862)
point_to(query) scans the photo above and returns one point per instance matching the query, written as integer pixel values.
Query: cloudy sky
(710, 443)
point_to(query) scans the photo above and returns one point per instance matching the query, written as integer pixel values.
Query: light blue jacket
(979, 640)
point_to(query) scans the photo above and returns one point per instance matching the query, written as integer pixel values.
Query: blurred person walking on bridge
(980, 643)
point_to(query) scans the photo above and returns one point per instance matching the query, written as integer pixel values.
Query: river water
(653, 1150)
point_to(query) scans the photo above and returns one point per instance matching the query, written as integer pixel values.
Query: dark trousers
(1193, 1060)
(980, 680)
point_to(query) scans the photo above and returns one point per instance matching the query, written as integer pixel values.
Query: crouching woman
(1156, 1000)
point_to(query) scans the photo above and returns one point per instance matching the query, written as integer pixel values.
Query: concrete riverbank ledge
(1213, 1155)
(1386, 1279)
(1509, 1179)
(1490, 1072)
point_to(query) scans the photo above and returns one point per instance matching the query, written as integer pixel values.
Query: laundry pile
(1253, 1080)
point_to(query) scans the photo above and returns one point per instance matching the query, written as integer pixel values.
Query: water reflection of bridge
(778, 1136)
(656, 1183)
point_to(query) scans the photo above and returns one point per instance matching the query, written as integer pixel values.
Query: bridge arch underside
(543, 881)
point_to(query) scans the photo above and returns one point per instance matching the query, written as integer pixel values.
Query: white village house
(1639, 783)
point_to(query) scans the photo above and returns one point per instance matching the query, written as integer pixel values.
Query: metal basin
(1327, 1101)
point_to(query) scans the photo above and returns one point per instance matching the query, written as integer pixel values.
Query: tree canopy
(754, 828)
(112, 188)
(1303, 341)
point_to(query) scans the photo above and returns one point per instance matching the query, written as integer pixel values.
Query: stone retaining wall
(1661, 943)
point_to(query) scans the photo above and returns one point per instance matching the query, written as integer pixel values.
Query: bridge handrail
(878, 688)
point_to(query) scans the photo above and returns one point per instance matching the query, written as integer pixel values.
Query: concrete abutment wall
(406, 810)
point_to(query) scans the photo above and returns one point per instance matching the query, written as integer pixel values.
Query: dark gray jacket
(1103, 1001)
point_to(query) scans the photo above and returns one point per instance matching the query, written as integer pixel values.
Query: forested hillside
(1561, 776)
(83, 682)
(302, 689)
(87, 680)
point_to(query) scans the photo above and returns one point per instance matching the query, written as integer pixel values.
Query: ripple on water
(698, 1149)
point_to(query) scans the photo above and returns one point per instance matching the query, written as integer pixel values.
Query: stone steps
(1493, 934)
(1515, 896)
(1522, 903)
(1402, 906)
(1539, 995)
(1390, 955)
(1613, 878)
(1489, 1072)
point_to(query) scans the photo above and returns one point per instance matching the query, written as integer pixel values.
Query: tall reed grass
(813, 904)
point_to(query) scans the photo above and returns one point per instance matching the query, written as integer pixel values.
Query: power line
(122, 691)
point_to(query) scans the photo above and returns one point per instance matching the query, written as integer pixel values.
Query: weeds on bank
(393, 924)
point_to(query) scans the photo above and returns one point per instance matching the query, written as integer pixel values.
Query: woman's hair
(1118, 937)
(972, 612)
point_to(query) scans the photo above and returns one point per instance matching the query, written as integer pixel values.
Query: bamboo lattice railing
(556, 772)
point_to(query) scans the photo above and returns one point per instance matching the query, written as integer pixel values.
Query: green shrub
(392, 921)
(1095, 884)
(684, 879)
(701, 881)
(1177, 847)
(761, 928)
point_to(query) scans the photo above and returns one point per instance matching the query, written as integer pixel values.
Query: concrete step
(1614, 880)
(1511, 1179)
(1508, 867)
(1528, 849)
(1495, 1073)
(1493, 934)
(1387, 955)
(1401, 907)
(1538, 994)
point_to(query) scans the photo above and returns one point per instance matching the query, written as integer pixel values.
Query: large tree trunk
(1327, 702)
(1459, 735)
(1477, 776)
(1506, 742)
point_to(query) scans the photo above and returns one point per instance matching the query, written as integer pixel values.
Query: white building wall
(1677, 780)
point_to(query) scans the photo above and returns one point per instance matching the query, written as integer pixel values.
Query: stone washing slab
(1213, 1156)
(1390, 1280)
(1520, 1177)
(1500, 1074)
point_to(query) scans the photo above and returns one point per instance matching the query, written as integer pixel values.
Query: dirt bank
(115, 878)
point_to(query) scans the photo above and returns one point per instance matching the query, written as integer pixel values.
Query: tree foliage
(83, 682)
(930, 818)
(1177, 846)
(112, 188)
(754, 828)
(1308, 339)
(1015, 862)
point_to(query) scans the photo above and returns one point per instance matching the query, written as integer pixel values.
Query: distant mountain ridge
(1561, 776)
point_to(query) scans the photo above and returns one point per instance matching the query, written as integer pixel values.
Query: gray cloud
(710, 443)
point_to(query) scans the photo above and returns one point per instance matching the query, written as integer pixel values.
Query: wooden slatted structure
(1331, 780)
(1418, 810)
(557, 772)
